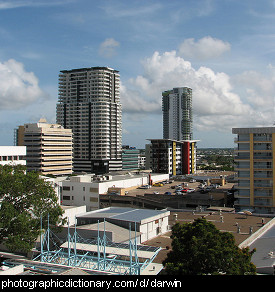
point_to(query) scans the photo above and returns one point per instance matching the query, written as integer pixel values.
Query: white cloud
(217, 105)
(18, 88)
(204, 49)
(108, 48)
(8, 4)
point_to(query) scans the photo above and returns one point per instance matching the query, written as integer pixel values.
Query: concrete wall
(11, 271)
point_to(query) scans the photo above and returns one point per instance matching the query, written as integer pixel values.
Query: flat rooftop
(228, 223)
(125, 214)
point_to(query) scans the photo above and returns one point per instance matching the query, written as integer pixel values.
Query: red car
(185, 190)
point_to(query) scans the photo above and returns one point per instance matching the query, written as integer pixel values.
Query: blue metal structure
(100, 254)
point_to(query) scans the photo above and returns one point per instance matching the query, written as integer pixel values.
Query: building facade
(177, 114)
(130, 158)
(172, 157)
(49, 148)
(254, 164)
(12, 155)
(148, 223)
(89, 104)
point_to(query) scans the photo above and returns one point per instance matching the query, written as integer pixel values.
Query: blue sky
(223, 49)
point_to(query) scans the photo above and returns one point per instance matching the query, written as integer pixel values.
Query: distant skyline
(223, 50)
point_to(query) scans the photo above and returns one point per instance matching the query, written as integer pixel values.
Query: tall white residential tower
(177, 114)
(89, 104)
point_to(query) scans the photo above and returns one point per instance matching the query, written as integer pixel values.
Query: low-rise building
(145, 222)
(85, 189)
(12, 155)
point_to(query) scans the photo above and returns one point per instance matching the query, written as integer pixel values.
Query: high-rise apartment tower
(255, 167)
(89, 104)
(177, 114)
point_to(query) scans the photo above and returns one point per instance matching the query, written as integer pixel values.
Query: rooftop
(229, 223)
(125, 214)
(258, 130)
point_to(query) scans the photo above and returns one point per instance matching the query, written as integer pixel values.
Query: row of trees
(197, 248)
(218, 161)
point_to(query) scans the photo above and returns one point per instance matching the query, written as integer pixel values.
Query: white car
(144, 187)
(190, 190)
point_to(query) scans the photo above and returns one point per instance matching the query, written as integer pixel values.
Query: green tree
(25, 198)
(199, 248)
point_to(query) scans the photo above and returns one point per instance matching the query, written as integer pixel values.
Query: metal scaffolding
(100, 254)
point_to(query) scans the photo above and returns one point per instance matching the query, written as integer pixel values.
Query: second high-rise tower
(177, 114)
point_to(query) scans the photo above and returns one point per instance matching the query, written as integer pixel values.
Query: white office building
(85, 189)
(89, 104)
(13, 155)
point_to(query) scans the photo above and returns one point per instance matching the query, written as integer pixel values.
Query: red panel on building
(185, 158)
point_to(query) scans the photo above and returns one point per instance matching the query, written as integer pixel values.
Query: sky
(223, 49)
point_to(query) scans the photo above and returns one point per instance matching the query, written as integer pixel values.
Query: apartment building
(89, 104)
(49, 148)
(254, 164)
(177, 114)
(171, 156)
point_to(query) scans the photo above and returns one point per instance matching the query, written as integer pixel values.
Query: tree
(199, 248)
(26, 198)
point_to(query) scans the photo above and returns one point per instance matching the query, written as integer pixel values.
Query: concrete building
(177, 114)
(172, 157)
(85, 189)
(49, 148)
(89, 104)
(254, 163)
(12, 155)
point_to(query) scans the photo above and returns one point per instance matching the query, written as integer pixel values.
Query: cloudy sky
(223, 49)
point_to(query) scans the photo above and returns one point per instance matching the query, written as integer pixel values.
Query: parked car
(185, 190)
(158, 185)
(144, 187)
(156, 193)
(190, 190)
(167, 193)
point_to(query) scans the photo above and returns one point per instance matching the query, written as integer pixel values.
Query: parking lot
(171, 187)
